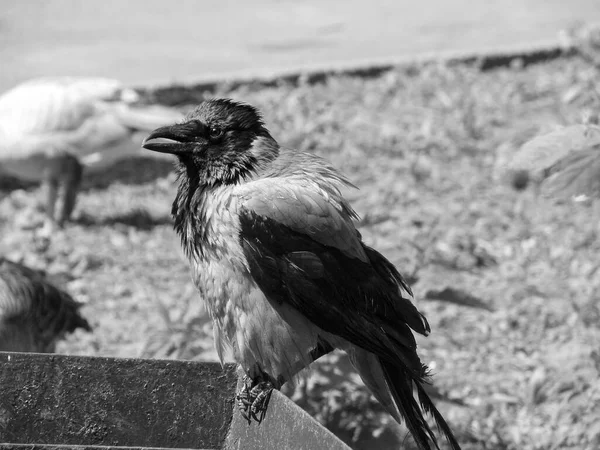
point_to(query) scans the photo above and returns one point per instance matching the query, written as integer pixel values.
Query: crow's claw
(245, 416)
(261, 394)
(253, 399)
(244, 402)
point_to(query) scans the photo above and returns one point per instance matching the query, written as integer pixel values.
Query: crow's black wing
(303, 249)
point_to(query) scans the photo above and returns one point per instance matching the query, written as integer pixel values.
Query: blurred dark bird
(34, 314)
(284, 271)
(562, 163)
(50, 128)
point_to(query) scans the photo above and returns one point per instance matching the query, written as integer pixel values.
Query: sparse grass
(422, 146)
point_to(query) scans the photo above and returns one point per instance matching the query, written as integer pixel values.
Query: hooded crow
(285, 274)
(50, 128)
(34, 314)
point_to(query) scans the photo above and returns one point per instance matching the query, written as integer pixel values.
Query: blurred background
(509, 280)
(156, 42)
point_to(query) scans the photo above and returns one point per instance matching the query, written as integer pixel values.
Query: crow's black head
(220, 142)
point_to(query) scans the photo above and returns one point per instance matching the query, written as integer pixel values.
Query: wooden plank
(286, 426)
(55, 399)
(55, 402)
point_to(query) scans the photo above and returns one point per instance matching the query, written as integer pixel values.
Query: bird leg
(65, 171)
(72, 174)
(50, 188)
(253, 398)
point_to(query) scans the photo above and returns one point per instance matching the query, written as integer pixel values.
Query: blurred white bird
(34, 314)
(53, 128)
(562, 163)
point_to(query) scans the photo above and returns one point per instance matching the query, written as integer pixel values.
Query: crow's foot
(253, 398)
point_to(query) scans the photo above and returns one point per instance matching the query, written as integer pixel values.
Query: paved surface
(160, 41)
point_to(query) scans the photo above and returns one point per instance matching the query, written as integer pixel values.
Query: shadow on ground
(134, 170)
(138, 218)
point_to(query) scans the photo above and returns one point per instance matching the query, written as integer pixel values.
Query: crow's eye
(215, 133)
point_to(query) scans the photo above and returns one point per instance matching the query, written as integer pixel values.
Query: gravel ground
(425, 145)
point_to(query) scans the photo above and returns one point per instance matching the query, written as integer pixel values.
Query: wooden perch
(56, 401)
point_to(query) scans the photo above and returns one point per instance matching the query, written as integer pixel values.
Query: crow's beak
(171, 139)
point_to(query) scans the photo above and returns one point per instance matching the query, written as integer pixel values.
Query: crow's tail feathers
(428, 406)
(400, 384)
